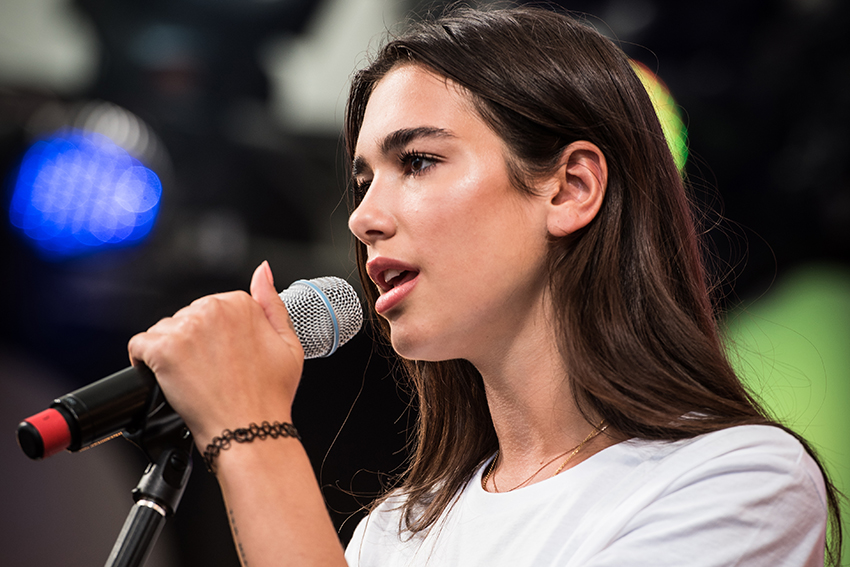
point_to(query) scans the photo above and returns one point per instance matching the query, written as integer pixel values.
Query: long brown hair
(636, 324)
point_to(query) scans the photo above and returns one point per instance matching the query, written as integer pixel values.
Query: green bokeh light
(668, 113)
(792, 348)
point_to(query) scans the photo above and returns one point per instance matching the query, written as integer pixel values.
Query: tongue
(401, 278)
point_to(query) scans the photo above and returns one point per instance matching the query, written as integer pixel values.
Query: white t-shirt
(744, 496)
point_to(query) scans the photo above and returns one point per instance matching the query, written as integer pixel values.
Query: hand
(226, 360)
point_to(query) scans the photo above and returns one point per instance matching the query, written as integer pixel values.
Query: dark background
(765, 88)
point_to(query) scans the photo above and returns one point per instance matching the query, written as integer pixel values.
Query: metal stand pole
(168, 444)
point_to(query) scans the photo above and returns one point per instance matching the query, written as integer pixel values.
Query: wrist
(247, 434)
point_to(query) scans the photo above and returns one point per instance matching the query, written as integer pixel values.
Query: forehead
(411, 96)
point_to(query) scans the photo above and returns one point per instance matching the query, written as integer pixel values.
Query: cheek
(437, 217)
(461, 201)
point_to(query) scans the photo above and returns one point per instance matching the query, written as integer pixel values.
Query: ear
(576, 190)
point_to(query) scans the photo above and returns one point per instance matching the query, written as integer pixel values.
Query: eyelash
(406, 160)
(360, 188)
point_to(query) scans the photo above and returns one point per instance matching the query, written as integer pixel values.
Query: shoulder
(760, 438)
(379, 532)
(750, 448)
(744, 495)
(764, 456)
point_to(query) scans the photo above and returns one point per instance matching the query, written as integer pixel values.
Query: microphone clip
(167, 442)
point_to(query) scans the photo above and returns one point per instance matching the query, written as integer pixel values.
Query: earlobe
(578, 189)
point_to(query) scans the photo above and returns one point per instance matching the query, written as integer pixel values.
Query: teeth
(390, 274)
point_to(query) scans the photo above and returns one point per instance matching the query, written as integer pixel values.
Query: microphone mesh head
(325, 312)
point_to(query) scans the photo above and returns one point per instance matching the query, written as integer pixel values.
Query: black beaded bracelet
(246, 435)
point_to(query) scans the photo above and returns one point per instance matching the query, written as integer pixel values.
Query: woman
(526, 240)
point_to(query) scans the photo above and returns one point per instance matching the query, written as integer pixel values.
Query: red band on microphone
(53, 429)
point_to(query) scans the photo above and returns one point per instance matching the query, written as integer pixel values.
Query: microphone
(325, 312)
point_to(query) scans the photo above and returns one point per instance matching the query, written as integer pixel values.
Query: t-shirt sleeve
(355, 544)
(376, 535)
(752, 497)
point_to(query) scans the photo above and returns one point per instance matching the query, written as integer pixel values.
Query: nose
(372, 220)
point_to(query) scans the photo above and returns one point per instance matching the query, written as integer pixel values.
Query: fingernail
(268, 270)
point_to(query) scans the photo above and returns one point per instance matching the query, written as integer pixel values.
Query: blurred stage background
(225, 117)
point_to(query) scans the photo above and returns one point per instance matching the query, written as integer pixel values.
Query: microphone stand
(167, 442)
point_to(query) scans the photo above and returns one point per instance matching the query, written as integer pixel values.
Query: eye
(415, 163)
(361, 186)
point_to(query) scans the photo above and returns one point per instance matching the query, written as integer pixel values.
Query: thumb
(264, 293)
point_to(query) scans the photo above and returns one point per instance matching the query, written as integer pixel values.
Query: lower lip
(390, 299)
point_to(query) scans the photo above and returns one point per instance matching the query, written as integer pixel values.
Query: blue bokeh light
(78, 191)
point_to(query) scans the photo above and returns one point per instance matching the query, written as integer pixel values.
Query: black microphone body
(325, 313)
(90, 414)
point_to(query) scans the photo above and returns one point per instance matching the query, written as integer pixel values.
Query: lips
(394, 279)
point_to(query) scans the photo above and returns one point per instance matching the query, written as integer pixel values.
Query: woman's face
(456, 251)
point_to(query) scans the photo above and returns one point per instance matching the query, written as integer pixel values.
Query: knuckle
(204, 303)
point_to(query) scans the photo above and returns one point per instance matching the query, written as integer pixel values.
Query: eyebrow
(398, 139)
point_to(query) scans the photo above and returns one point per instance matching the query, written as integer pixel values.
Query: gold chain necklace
(572, 453)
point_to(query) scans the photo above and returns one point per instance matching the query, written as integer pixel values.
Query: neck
(533, 409)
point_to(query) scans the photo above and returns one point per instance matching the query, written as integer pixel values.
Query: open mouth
(394, 278)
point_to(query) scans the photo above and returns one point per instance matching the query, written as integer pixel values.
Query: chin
(418, 348)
